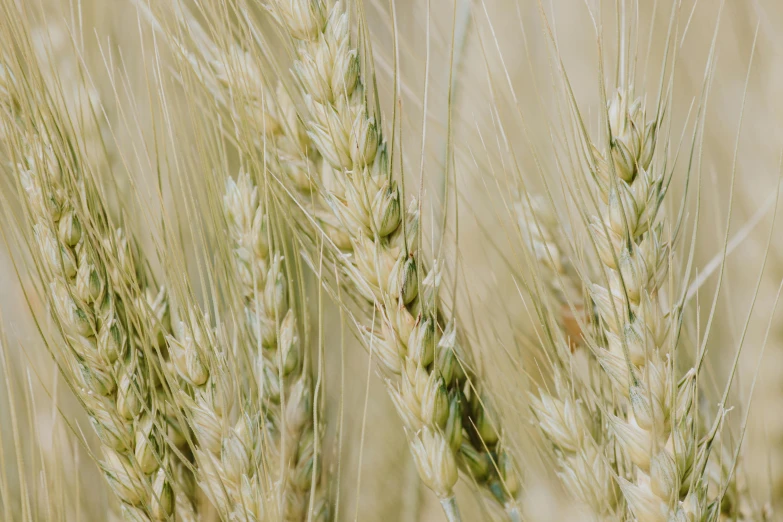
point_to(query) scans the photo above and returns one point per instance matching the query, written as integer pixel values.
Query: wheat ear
(412, 344)
(283, 388)
(96, 291)
(567, 418)
(542, 235)
(631, 345)
(246, 93)
(86, 269)
(565, 415)
(225, 452)
(283, 377)
(657, 431)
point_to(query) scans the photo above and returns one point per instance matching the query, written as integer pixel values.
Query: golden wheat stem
(450, 509)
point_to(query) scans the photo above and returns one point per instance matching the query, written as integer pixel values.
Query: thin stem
(451, 509)
(623, 51)
(460, 29)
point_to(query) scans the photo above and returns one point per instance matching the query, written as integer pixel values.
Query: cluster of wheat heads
(166, 385)
(360, 220)
(201, 384)
(627, 421)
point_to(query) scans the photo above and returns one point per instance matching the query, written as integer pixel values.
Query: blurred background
(505, 104)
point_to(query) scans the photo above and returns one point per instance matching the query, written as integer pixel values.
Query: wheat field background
(505, 104)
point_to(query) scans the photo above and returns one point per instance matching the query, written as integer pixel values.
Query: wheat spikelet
(565, 416)
(542, 235)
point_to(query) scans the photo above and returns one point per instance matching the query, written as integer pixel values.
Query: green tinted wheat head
(285, 469)
(86, 271)
(412, 342)
(226, 453)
